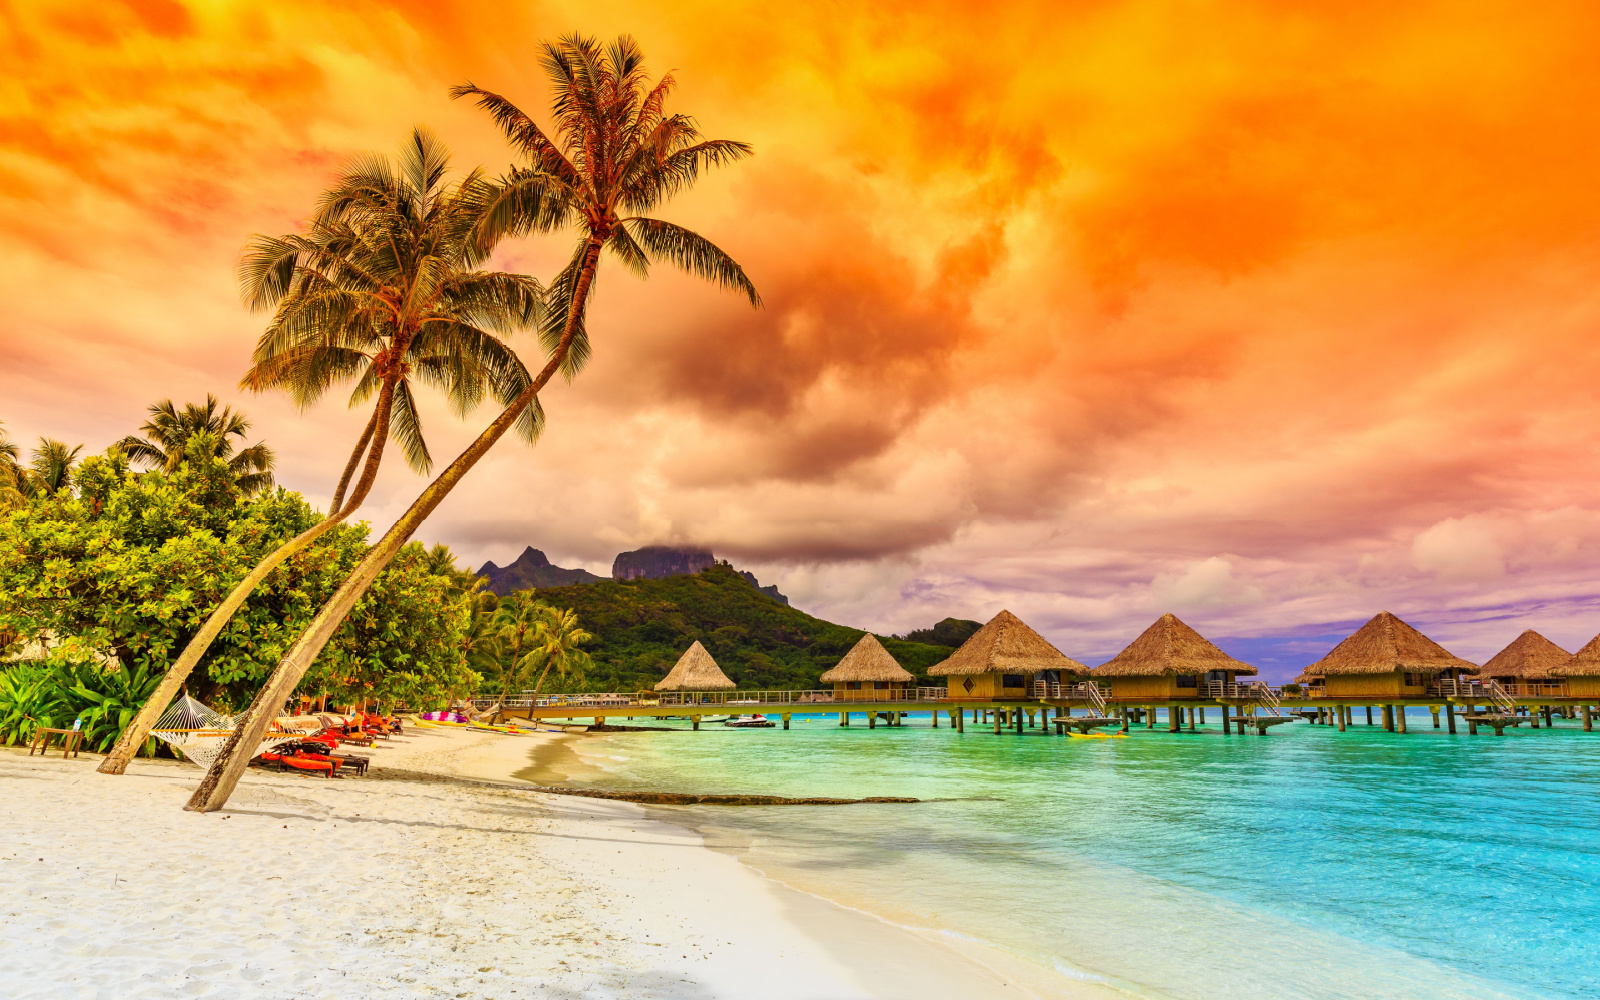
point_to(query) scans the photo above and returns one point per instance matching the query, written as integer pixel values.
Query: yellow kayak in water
(1098, 736)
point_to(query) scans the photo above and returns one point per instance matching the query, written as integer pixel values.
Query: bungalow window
(1416, 680)
(1215, 676)
(880, 685)
(1187, 681)
(852, 685)
(1012, 681)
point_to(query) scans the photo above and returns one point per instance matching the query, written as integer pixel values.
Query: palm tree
(50, 468)
(559, 639)
(616, 151)
(386, 286)
(169, 430)
(515, 628)
(11, 473)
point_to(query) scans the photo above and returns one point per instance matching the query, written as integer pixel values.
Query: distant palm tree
(617, 153)
(10, 472)
(558, 641)
(50, 467)
(387, 286)
(169, 430)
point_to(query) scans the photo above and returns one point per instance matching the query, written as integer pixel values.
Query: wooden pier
(1082, 707)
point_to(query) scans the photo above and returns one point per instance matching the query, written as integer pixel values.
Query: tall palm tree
(387, 286)
(168, 431)
(50, 467)
(515, 628)
(616, 150)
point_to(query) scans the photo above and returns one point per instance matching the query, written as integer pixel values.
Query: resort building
(1582, 672)
(869, 673)
(1523, 669)
(1170, 662)
(696, 671)
(1000, 662)
(1385, 658)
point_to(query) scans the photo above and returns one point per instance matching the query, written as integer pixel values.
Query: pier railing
(1449, 687)
(730, 700)
(1256, 690)
(1081, 691)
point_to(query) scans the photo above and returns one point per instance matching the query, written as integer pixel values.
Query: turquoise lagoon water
(1308, 863)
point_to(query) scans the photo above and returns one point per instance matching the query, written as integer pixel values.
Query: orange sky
(1270, 314)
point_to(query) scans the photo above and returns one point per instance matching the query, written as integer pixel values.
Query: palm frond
(693, 253)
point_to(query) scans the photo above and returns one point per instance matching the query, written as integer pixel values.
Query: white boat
(750, 722)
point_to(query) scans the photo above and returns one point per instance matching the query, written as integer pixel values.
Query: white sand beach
(421, 885)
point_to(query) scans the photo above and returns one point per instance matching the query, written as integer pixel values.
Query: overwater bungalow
(1170, 662)
(1000, 661)
(1581, 672)
(696, 671)
(869, 673)
(1385, 658)
(1524, 667)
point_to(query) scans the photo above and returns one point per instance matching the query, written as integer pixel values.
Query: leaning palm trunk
(138, 730)
(230, 764)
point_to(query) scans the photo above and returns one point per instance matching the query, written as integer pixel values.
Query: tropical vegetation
(171, 436)
(642, 626)
(617, 153)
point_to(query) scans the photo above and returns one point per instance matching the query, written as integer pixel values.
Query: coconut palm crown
(169, 430)
(387, 286)
(617, 154)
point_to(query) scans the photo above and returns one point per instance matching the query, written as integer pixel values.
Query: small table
(71, 740)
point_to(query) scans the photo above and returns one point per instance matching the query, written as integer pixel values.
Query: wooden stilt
(1190, 712)
(1435, 710)
(1341, 710)
(1125, 715)
(1388, 718)
(1588, 720)
(1202, 716)
(1450, 716)
(1400, 718)
(1017, 719)
(1369, 715)
(1227, 724)
(1547, 723)
(1174, 720)
(1150, 717)
(1534, 714)
(696, 720)
(996, 715)
(933, 717)
(844, 718)
(872, 720)
(961, 720)
(1472, 727)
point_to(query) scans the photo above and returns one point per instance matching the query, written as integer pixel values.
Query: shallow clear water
(1308, 863)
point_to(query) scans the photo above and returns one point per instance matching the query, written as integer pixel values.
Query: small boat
(1098, 736)
(711, 718)
(750, 722)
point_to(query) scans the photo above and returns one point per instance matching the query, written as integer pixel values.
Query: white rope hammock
(197, 733)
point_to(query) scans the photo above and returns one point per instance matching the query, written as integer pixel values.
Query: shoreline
(397, 886)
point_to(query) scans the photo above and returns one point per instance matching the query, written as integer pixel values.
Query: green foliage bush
(125, 567)
(57, 693)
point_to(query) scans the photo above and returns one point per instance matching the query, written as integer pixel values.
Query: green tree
(616, 151)
(166, 437)
(125, 568)
(387, 286)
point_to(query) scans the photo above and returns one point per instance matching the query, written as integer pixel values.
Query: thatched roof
(867, 661)
(1584, 663)
(696, 671)
(1529, 657)
(1006, 646)
(1169, 647)
(1384, 645)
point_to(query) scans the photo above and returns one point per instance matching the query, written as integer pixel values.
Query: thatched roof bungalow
(869, 673)
(1168, 661)
(696, 671)
(1385, 658)
(1001, 660)
(1528, 660)
(1582, 671)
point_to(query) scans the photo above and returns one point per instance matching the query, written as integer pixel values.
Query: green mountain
(642, 627)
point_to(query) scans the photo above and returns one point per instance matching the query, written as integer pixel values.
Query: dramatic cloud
(1269, 314)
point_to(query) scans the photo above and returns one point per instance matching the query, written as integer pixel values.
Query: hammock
(197, 733)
